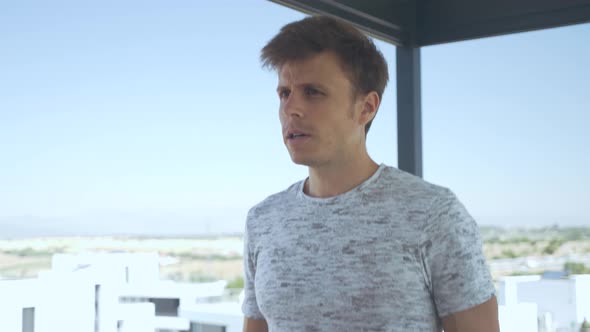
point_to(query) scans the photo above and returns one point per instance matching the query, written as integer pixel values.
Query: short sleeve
(250, 305)
(453, 254)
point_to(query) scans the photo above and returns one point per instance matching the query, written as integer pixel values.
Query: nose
(292, 106)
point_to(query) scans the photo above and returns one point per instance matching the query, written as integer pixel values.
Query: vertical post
(28, 320)
(96, 308)
(409, 110)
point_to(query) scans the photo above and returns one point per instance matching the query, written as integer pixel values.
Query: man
(356, 246)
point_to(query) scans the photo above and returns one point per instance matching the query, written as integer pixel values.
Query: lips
(296, 134)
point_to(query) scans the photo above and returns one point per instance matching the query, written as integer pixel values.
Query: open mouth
(295, 135)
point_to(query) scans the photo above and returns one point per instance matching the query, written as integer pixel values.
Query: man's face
(318, 113)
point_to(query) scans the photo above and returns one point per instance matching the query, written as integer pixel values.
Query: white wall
(64, 298)
(14, 296)
(583, 296)
(557, 297)
(220, 314)
(518, 317)
(65, 304)
(507, 288)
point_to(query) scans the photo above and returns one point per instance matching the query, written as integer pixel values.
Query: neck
(338, 177)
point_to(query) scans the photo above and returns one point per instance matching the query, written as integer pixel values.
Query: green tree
(508, 253)
(236, 283)
(552, 247)
(576, 268)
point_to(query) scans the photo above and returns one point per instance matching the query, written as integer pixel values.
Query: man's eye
(283, 94)
(311, 91)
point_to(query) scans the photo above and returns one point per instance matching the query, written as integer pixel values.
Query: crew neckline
(367, 182)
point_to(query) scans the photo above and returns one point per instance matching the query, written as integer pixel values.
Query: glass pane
(505, 127)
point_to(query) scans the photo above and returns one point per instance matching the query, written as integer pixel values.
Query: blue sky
(138, 109)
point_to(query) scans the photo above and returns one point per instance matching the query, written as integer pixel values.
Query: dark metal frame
(411, 24)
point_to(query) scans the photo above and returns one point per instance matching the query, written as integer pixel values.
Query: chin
(301, 160)
(306, 161)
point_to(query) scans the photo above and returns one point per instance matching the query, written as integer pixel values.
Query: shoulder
(444, 217)
(411, 189)
(433, 209)
(273, 205)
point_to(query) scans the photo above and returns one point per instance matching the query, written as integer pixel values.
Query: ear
(370, 105)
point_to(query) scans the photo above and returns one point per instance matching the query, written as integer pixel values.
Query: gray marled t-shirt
(395, 253)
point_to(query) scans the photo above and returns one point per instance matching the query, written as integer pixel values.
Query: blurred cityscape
(108, 284)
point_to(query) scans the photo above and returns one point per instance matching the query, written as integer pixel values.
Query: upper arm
(255, 325)
(250, 303)
(454, 260)
(481, 318)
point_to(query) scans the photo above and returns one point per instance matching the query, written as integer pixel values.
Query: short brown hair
(361, 60)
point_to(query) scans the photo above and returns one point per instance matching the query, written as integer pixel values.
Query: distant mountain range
(113, 225)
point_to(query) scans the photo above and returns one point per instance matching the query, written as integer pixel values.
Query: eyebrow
(314, 85)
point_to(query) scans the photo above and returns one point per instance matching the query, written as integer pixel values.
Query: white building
(18, 299)
(122, 292)
(515, 316)
(520, 317)
(562, 304)
(102, 292)
(214, 317)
